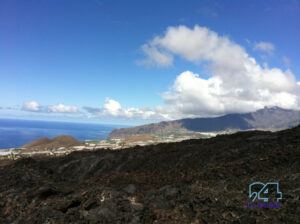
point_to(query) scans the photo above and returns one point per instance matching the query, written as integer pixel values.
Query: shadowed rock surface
(274, 118)
(195, 181)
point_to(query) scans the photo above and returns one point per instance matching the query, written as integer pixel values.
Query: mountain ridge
(268, 118)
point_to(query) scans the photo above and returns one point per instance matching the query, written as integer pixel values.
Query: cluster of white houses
(112, 144)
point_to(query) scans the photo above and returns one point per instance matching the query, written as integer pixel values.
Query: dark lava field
(194, 181)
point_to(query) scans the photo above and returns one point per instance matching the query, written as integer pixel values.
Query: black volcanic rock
(194, 181)
(273, 118)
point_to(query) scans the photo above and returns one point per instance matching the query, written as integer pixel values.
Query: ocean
(15, 133)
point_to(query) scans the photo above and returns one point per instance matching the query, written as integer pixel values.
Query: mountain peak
(273, 108)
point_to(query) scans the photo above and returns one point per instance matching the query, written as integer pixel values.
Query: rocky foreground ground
(195, 181)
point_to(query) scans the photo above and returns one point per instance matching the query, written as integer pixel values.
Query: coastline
(15, 133)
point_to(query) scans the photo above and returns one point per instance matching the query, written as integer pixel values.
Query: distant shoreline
(15, 132)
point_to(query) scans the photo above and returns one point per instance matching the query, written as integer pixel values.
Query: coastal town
(64, 148)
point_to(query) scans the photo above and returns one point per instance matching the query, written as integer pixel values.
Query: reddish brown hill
(55, 143)
(39, 142)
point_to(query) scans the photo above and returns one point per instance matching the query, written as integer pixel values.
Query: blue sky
(85, 53)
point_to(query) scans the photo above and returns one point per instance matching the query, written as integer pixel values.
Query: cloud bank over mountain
(237, 83)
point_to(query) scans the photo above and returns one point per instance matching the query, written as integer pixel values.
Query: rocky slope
(274, 118)
(195, 181)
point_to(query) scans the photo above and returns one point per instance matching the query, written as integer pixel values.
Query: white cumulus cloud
(112, 108)
(32, 105)
(62, 108)
(155, 57)
(237, 83)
